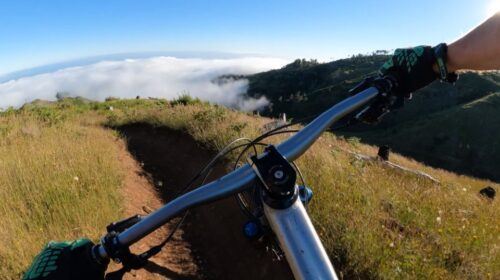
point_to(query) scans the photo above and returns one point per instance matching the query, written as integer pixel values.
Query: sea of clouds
(162, 77)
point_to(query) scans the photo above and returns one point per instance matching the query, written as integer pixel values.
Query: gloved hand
(413, 68)
(64, 261)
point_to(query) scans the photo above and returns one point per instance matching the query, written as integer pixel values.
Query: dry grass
(390, 224)
(57, 182)
(375, 222)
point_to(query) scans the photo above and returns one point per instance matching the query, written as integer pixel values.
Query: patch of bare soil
(210, 244)
(141, 196)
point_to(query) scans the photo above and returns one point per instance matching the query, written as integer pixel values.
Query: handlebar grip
(85, 265)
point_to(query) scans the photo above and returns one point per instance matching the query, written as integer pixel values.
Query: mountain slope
(375, 221)
(463, 137)
(306, 88)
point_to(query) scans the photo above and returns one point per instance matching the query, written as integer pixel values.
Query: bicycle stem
(240, 179)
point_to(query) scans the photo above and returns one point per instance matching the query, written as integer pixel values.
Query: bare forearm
(479, 49)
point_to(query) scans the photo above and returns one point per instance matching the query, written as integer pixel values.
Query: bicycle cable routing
(273, 174)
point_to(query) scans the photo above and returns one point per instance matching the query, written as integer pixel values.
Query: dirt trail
(210, 244)
(141, 196)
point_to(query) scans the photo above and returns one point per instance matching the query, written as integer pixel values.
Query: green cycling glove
(413, 68)
(65, 260)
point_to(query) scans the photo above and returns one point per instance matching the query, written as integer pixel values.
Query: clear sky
(34, 32)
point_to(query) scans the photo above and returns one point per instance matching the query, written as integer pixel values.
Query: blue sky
(34, 33)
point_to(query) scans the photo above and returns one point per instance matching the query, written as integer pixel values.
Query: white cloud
(165, 77)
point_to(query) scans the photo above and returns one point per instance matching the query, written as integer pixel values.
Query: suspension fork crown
(277, 177)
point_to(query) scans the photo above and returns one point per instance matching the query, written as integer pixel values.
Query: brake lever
(366, 83)
(383, 103)
(122, 225)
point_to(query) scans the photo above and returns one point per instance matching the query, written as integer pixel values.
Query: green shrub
(185, 99)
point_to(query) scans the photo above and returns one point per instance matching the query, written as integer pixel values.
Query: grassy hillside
(303, 88)
(306, 88)
(59, 179)
(375, 222)
(460, 138)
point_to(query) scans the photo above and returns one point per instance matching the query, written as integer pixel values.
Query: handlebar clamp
(278, 178)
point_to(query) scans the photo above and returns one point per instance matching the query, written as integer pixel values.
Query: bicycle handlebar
(244, 177)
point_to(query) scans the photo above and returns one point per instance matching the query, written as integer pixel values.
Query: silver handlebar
(296, 145)
(242, 178)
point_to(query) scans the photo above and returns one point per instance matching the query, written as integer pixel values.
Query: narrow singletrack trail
(210, 244)
(140, 196)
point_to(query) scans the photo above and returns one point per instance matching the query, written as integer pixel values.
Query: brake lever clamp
(110, 242)
(383, 103)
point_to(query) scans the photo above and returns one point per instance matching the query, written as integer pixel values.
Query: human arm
(414, 68)
(478, 50)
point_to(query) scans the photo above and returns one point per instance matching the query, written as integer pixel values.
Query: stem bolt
(278, 174)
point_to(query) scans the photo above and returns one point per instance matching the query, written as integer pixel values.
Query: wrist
(453, 58)
(444, 67)
(451, 64)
